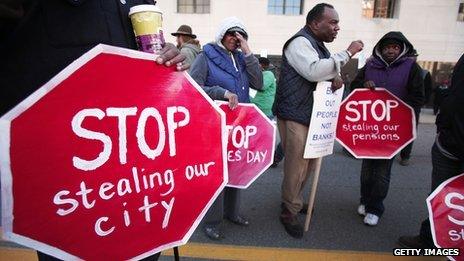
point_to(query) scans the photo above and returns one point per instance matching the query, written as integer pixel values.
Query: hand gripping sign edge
(273, 143)
(413, 119)
(5, 160)
(430, 210)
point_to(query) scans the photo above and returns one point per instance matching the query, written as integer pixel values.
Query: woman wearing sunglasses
(226, 69)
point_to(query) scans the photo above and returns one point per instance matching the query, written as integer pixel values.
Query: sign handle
(176, 253)
(312, 196)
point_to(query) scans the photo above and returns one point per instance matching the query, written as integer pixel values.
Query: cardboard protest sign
(115, 158)
(251, 140)
(446, 214)
(324, 117)
(375, 124)
(321, 134)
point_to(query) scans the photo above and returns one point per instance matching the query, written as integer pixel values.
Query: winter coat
(190, 49)
(54, 33)
(216, 72)
(221, 71)
(450, 120)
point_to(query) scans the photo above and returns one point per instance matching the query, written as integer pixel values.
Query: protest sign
(114, 158)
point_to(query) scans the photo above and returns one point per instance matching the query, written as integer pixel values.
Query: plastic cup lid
(144, 8)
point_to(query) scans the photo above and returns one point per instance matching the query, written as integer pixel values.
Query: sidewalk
(427, 116)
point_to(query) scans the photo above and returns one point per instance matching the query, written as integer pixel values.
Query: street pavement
(335, 223)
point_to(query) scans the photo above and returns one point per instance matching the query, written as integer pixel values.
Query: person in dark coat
(427, 77)
(440, 94)
(51, 34)
(405, 153)
(46, 36)
(391, 67)
(447, 151)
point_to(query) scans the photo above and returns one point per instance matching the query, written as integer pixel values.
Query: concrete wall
(431, 25)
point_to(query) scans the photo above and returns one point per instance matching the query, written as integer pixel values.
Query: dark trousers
(406, 151)
(375, 181)
(443, 169)
(227, 204)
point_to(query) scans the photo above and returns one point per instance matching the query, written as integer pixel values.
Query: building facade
(435, 27)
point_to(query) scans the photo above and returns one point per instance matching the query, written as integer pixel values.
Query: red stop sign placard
(116, 157)
(251, 140)
(375, 124)
(446, 214)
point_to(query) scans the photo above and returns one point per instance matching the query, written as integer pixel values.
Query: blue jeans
(443, 168)
(375, 181)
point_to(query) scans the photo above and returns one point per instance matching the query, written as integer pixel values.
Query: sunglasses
(232, 33)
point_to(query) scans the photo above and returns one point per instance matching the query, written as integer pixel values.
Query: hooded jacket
(402, 77)
(217, 70)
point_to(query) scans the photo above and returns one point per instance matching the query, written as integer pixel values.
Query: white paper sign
(321, 134)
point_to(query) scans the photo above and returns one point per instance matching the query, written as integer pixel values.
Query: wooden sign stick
(312, 195)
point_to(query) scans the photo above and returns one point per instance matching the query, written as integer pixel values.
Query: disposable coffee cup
(147, 22)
